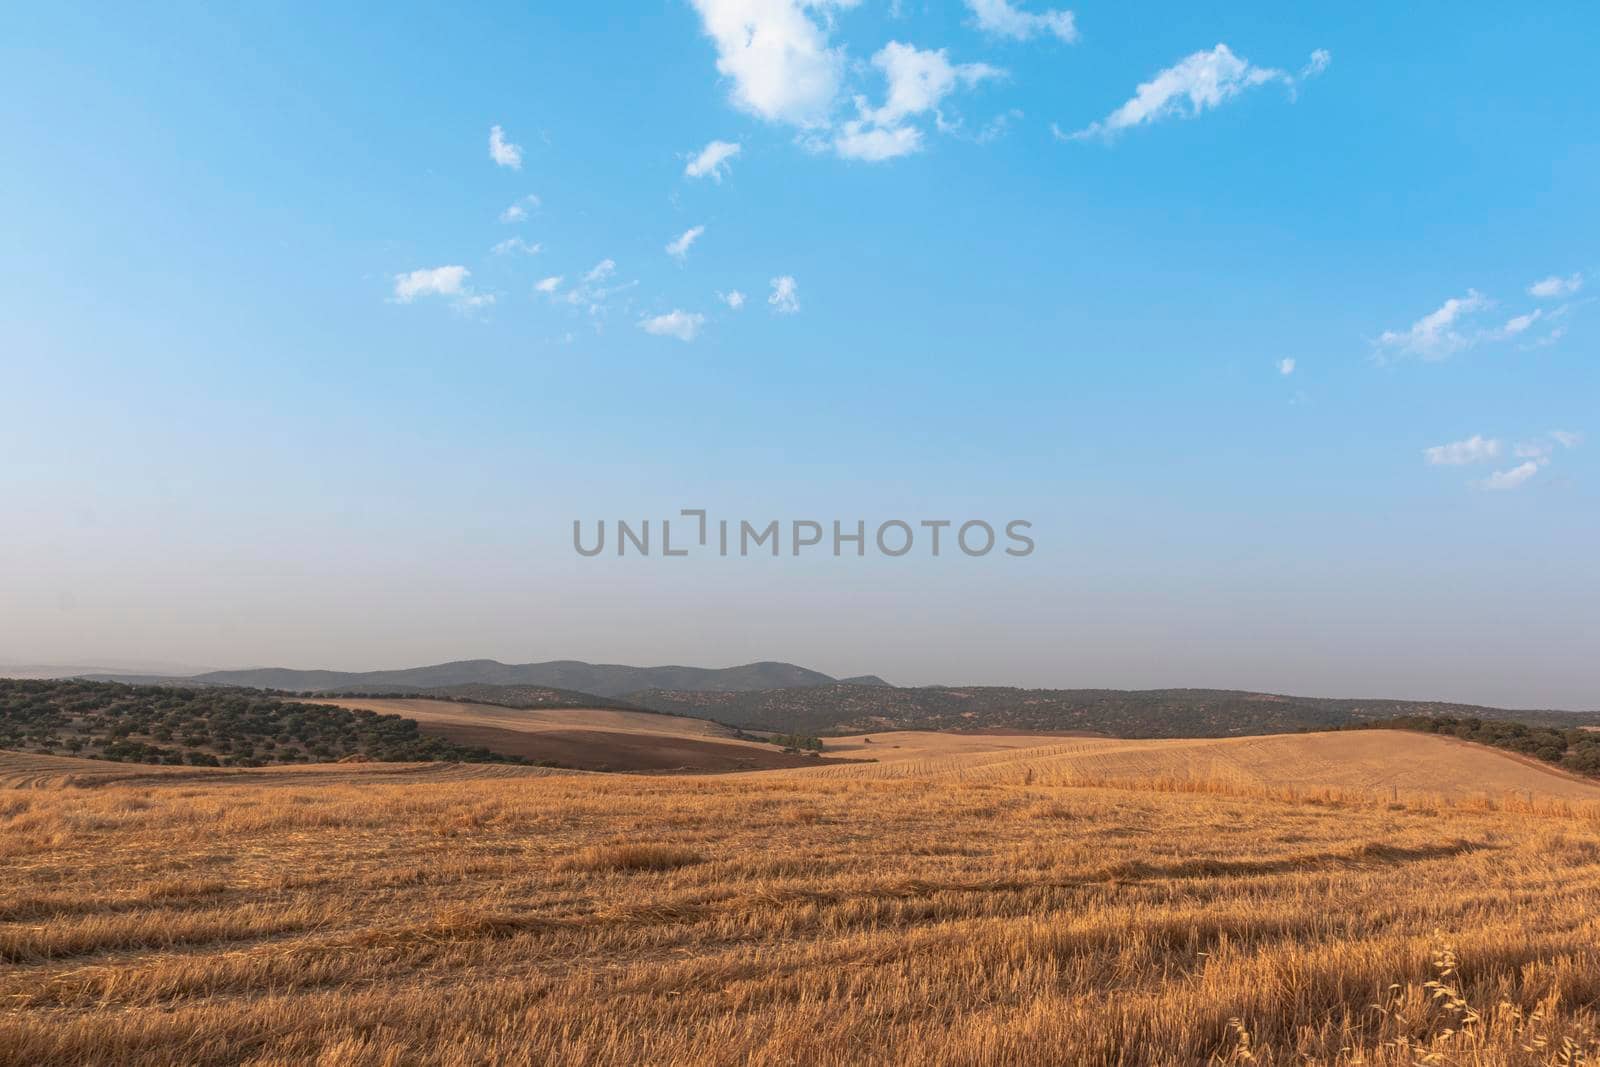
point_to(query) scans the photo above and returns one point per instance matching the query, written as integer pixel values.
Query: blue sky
(1277, 324)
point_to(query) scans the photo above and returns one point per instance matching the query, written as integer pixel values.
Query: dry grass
(1359, 761)
(626, 857)
(792, 918)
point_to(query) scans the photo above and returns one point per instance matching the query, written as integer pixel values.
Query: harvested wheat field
(597, 739)
(1389, 762)
(791, 917)
(27, 770)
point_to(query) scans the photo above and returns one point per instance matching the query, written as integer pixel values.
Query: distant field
(972, 899)
(1376, 762)
(601, 739)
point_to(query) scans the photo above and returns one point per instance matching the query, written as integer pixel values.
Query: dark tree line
(207, 727)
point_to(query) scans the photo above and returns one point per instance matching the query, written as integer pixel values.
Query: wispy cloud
(1475, 449)
(589, 293)
(1438, 334)
(518, 211)
(684, 325)
(1286, 367)
(678, 247)
(502, 151)
(1548, 339)
(596, 299)
(733, 298)
(1320, 60)
(1460, 323)
(1541, 448)
(1535, 455)
(1195, 84)
(449, 282)
(712, 161)
(1556, 286)
(858, 141)
(1000, 18)
(517, 244)
(1512, 478)
(1519, 323)
(785, 297)
(917, 82)
(431, 281)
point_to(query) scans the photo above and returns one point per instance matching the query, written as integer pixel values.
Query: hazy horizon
(132, 667)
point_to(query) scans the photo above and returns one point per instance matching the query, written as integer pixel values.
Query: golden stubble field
(951, 914)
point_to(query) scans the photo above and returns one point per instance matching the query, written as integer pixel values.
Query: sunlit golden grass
(626, 857)
(793, 918)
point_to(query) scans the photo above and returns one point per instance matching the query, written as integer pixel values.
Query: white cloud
(1542, 448)
(1002, 19)
(1475, 449)
(875, 145)
(777, 58)
(518, 211)
(733, 298)
(996, 127)
(517, 244)
(917, 80)
(436, 281)
(593, 298)
(502, 151)
(1193, 85)
(678, 247)
(683, 325)
(474, 301)
(1437, 334)
(712, 161)
(1556, 286)
(448, 282)
(1511, 479)
(785, 298)
(1535, 455)
(1548, 339)
(589, 292)
(1285, 366)
(782, 67)
(1519, 323)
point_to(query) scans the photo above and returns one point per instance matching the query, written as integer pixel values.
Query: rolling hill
(208, 727)
(1364, 762)
(593, 739)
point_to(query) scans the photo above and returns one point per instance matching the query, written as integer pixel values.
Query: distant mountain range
(600, 679)
(786, 698)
